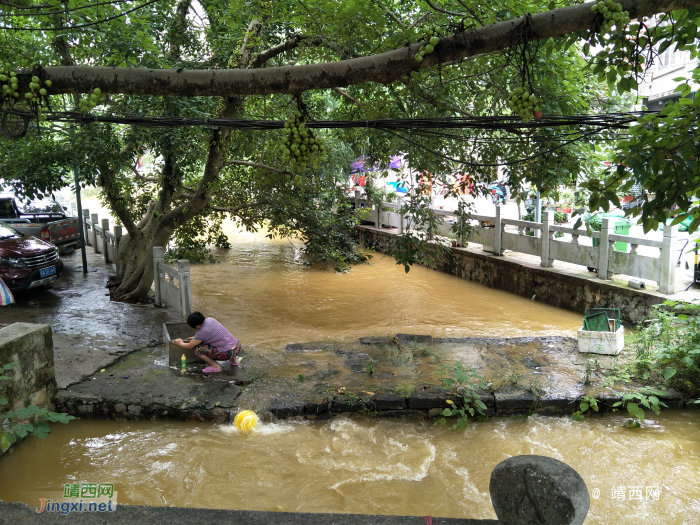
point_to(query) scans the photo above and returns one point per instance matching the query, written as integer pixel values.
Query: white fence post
(498, 240)
(547, 221)
(117, 239)
(400, 201)
(158, 259)
(105, 229)
(667, 277)
(95, 222)
(183, 277)
(377, 219)
(608, 227)
(86, 216)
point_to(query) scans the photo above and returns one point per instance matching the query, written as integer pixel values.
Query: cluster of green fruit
(613, 16)
(35, 92)
(432, 36)
(300, 146)
(89, 102)
(524, 104)
(10, 89)
(9, 82)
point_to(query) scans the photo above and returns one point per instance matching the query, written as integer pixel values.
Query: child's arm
(192, 342)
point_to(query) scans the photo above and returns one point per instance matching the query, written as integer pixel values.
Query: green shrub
(25, 421)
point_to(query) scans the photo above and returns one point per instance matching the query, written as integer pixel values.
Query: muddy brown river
(263, 293)
(357, 465)
(364, 466)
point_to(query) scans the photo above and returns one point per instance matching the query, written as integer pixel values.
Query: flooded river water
(263, 293)
(356, 465)
(364, 466)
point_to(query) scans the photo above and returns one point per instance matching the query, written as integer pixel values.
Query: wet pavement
(89, 331)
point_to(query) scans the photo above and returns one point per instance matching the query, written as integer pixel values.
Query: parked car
(45, 219)
(25, 261)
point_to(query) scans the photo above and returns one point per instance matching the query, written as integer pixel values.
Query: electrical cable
(50, 13)
(489, 123)
(478, 164)
(68, 28)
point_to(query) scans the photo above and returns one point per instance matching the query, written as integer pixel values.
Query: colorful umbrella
(6, 297)
(359, 165)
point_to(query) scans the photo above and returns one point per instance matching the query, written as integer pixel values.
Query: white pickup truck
(44, 219)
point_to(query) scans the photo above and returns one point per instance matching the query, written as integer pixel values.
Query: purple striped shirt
(215, 334)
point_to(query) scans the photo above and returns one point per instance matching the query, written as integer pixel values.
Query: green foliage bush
(25, 421)
(194, 239)
(668, 347)
(466, 382)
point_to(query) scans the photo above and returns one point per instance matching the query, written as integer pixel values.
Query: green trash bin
(682, 226)
(622, 227)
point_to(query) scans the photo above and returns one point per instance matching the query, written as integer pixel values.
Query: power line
(49, 13)
(493, 165)
(488, 123)
(68, 28)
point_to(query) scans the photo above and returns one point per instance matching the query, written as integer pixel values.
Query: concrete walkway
(89, 331)
(20, 513)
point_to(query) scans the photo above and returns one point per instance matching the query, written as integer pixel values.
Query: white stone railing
(172, 286)
(491, 233)
(102, 240)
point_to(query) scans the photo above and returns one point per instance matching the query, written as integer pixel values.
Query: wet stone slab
(136, 388)
(317, 380)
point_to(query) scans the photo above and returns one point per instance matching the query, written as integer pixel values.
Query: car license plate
(45, 272)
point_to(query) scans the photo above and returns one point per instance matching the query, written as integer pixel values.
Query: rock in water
(538, 489)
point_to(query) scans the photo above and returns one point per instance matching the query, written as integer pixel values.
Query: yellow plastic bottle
(184, 364)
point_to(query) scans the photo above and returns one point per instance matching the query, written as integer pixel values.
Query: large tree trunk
(136, 257)
(384, 67)
(162, 217)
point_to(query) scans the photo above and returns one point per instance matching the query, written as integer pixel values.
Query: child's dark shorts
(216, 354)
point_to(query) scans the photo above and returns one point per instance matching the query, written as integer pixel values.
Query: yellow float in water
(246, 420)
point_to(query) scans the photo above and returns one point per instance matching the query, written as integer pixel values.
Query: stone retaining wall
(33, 381)
(550, 286)
(427, 404)
(89, 406)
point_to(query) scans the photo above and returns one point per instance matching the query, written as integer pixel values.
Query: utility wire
(605, 121)
(49, 13)
(483, 165)
(68, 28)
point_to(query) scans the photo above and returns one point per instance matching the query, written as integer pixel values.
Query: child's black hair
(195, 319)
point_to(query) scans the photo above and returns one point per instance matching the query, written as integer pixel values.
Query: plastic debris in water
(246, 420)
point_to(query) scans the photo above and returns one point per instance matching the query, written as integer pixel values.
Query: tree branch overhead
(382, 68)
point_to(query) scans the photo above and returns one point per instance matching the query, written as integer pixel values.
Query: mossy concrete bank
(33, 381)
(551, 286)
(30, 347)
(322, 380)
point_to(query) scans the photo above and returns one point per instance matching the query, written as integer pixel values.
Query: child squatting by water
(211, 343)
